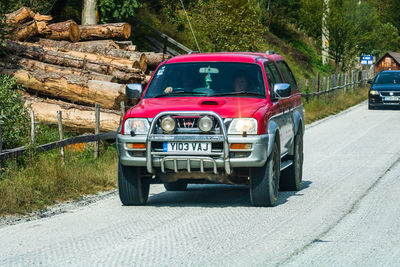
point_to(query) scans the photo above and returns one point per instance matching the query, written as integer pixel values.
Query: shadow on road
(217, 196)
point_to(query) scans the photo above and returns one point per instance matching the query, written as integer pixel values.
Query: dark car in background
(385, 90)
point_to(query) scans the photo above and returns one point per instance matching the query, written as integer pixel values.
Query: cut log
(20, 16)
(74, 88)
(32, 65)
(117, 54)
(24, 31)
(42, 28)
(126, 45)
(75, 117)
(100, 43)
(58, 58)
(154, 59)
(105, 31)
(39, 17)
(67, 30)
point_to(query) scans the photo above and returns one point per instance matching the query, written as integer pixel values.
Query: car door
(274, 76)
(288, 103)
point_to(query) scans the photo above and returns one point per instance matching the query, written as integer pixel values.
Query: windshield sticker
(161, 71)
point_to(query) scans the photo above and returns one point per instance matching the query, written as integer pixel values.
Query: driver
(240, 82)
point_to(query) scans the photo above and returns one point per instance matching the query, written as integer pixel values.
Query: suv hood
(226, 107)
(384, 87)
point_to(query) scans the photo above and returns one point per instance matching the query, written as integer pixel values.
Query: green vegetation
(45, 181)
(13, 115)
(324, 106)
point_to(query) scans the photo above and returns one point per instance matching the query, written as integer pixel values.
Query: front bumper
(254, 157)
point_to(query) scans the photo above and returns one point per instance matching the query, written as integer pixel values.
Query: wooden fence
(97, 137)
(318, 85)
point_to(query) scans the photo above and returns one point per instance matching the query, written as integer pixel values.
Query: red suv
(232, 118)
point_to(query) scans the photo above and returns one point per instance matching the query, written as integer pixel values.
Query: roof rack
(270, 52)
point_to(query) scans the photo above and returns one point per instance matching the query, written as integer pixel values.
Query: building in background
(389, 61)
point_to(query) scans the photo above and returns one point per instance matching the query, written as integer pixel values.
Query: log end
(75, 33)
(143, 62)
(127, 30)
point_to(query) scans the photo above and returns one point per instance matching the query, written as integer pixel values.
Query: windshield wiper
(180, 92)
(239, 93)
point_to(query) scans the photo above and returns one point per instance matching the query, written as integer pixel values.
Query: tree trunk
(126, 45)
(117, 54)
(20, 16)
(67, 30)
(154, 59)
(74, 88)
(75, 117)
(99, 43)
(32, 65)
(106, 31)
(89, 12)
(24, 31)
(39, 17)
(59, 58)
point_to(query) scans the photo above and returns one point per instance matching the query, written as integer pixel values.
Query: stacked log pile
(69, 67)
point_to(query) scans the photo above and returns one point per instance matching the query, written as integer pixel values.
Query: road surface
(347, 214)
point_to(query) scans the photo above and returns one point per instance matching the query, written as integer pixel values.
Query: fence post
(122, 110)
(61, 133)
(318, 84)
(97, 130)
(33, 128)
(300, 85)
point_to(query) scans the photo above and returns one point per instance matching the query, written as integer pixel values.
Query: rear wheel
(133, 186)
(176, 186)
(292, 176)
(264, 181)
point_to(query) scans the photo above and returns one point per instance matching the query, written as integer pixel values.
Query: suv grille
(388, 93)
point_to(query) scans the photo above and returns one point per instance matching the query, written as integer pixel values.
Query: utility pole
(325, 33)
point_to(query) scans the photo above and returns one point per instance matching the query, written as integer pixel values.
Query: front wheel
(292, 176)
(133, 186)
(264, 181)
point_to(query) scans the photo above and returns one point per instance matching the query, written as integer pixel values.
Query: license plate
(391, 98)
(187, 147)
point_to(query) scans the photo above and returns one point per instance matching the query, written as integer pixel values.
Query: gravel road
(347, 214)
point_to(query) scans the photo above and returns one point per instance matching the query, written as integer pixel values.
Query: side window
(287, 74)
(275, 72)
(270, 78)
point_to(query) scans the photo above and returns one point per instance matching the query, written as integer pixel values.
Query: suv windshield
(388, 78)
(207, 79)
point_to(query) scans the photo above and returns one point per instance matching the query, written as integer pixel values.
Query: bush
(14, 115)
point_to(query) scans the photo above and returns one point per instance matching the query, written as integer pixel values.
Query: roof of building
(394, 55)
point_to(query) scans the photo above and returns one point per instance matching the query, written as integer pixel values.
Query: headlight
(205, 124)
(168, 124)
(373, 92)
(238, 126)
(138, 125)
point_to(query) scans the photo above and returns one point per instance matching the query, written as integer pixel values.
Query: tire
(175, 186)
(133, 186)
(292, 176)
(264, 181)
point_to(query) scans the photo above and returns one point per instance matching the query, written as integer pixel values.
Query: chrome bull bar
(223, 137)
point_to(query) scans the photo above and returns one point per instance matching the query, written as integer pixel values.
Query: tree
(111, 10)
(89, 12)
(227, 25)
(310, 17)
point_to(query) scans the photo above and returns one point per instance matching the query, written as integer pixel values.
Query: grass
(322, 107)
(41, 180)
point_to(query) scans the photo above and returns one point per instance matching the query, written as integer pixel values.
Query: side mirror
(134, 91)
(370, 81)
(282, 90)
